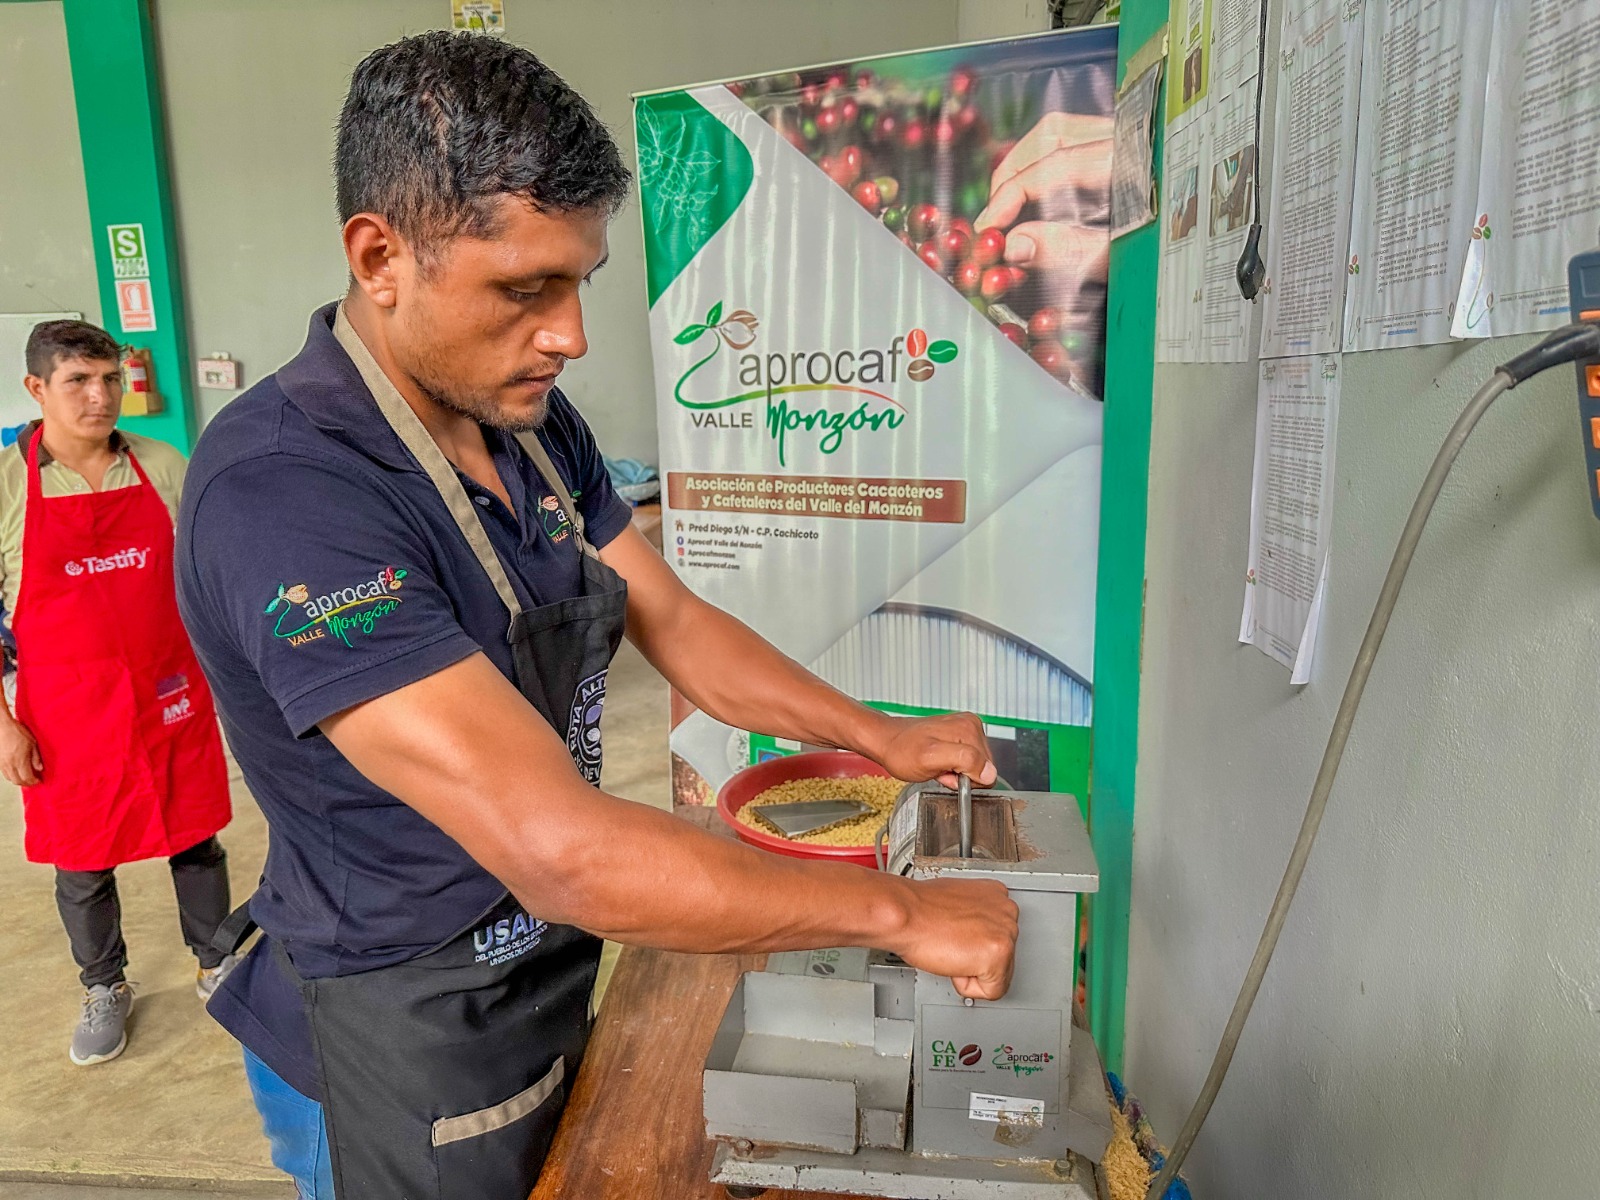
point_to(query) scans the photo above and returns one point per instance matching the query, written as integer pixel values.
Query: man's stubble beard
(484, 410)
(480, 407)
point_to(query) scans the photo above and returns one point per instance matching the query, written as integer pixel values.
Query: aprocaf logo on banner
(776, 375)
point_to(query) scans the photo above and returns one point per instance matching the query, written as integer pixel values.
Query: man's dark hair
(435, 127)
(54, 342)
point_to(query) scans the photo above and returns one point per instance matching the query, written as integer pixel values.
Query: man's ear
(377, 255)
(35, 386)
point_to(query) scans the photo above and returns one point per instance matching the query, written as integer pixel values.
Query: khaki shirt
(162, 463)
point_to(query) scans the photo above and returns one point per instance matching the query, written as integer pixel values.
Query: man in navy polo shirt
(405, 573)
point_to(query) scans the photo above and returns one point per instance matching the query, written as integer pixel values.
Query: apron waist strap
(235, 930)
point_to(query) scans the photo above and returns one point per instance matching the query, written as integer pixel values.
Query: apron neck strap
(410, 430)
(35, 443)
(552, 478)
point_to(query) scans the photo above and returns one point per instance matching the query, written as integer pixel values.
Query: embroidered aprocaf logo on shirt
(554, 519)
(133, 558)
(343, 613)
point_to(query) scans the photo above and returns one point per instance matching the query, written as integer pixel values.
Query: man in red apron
(114, 740)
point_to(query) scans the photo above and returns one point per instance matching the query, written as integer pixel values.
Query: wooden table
(634, 1128)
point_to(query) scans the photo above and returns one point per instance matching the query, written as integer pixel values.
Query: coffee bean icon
(920, 369)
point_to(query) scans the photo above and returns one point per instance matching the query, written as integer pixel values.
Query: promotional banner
(877, 313)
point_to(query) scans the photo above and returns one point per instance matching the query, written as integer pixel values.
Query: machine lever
(964, 799)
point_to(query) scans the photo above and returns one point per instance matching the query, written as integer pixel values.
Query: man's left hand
(941, 747)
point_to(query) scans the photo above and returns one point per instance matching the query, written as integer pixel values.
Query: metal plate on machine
(838, 963)
(991, 1051)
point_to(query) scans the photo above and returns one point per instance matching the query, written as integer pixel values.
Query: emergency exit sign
(128, 257)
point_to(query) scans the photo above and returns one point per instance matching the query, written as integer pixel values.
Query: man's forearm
(470, 754)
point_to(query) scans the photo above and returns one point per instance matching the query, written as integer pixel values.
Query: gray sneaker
(209, 979)
(102, 1033)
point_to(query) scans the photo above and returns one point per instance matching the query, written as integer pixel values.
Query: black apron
(444, 1076)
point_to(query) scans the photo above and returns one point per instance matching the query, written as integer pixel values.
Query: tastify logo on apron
(133, 557)
(507, 939)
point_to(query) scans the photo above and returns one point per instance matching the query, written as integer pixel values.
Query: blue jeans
(295, 1130)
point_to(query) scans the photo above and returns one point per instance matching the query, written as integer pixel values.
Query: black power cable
(1252, 269)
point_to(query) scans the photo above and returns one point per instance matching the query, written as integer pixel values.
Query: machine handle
(964, 800)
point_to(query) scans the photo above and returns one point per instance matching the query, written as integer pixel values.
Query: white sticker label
(1006, 1110)
(902, 828)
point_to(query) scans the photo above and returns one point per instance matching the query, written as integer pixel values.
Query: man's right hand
(19, 754)
(965, 930)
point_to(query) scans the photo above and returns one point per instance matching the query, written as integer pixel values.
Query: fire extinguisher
(139, 396)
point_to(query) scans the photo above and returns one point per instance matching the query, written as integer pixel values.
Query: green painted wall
(117, 93)
(1119, 605)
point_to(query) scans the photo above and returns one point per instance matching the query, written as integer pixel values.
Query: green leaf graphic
(714, 317)
(943, 352)
(693, 174)
(692, 333)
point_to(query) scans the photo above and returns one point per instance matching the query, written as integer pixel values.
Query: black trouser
(92, 912)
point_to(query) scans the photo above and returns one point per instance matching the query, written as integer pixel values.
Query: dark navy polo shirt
(317, 567)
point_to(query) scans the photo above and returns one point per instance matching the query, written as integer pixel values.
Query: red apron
(108, 684)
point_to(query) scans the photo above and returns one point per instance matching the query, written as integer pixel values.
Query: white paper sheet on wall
(1180, 288)
(1235, 42)
(1313, 171)
(1538, 195)
(1211, 157)
(1291, 509)
(1133, 154)
(1419, 139)
(1229, 180)
(1189, 60)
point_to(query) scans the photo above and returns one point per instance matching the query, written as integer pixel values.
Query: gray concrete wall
(46, 257)
(252, 92)
(1431, 1025)
(980, 20)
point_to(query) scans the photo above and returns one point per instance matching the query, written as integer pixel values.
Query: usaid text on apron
(444, 1076)
(108, 684)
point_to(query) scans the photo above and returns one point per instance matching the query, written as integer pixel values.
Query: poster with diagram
(1211, 163)
(1189, 52)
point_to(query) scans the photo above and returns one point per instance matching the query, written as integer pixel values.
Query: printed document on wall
(1313, 166)
(1229, 179)
(1539, 183)
(1180, 289)
(1291, 509)
(1235, 44)
(1189, 56)
(1420, 133)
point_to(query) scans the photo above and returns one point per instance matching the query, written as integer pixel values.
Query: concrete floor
(173, 1112)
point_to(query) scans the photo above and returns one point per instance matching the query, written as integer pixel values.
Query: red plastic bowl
(820, 764)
